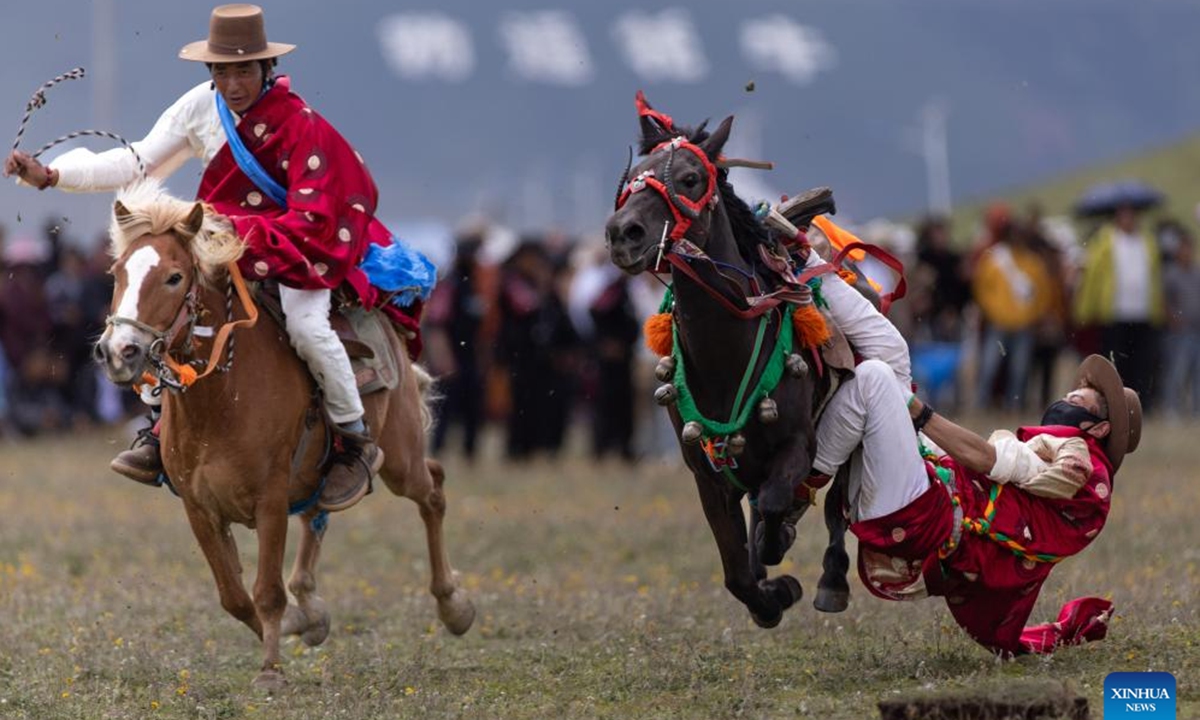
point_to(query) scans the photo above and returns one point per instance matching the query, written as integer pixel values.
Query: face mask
(1062, 412)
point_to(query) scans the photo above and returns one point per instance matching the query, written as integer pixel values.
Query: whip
(38, 99)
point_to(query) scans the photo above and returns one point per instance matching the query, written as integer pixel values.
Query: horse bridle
(684, 210)
(181, 376)
(164, 340)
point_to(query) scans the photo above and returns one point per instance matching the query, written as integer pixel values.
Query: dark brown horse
(232, 442)
(679, 210)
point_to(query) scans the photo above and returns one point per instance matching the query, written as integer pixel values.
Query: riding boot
(142, 461)
(350, 473)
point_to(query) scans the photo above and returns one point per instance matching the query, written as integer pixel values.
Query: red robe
(320, 239)
(989, 586)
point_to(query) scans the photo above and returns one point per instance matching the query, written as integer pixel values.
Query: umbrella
(1105, 198)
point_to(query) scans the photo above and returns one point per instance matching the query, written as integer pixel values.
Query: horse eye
(175, 279)
(691, 180)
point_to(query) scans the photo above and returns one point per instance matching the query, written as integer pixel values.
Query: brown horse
(234, 444)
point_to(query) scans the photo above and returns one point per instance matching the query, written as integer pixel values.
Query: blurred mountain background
(522, 110)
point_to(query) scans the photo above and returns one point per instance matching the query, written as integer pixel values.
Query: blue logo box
(1141, 695)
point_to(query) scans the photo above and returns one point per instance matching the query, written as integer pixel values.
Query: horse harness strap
(223, 334)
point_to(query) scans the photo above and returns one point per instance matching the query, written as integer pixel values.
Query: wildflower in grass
(410, 690)
(153, 704)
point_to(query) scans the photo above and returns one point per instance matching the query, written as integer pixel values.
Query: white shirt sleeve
(1045, 465)
(169, 144)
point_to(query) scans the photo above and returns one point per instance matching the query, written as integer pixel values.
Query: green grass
(1174, 169)
(598, 592)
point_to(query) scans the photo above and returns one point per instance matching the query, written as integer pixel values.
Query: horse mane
(747, 230)
(154, 211)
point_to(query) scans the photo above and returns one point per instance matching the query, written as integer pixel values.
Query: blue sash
(245, 160)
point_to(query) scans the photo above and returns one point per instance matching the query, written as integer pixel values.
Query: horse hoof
(269, 681)
(457, 612)
(767, 623)
(790, 586)
(294, 621)
(787, 536)
(317, 631)
(829, 600)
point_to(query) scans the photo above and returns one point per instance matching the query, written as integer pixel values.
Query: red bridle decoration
(684, 210)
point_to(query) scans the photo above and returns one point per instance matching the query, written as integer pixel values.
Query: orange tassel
(186, 373)
(658, 334)
(810, 326)
(848, 276)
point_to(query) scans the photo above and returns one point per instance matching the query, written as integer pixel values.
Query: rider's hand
(28, 169)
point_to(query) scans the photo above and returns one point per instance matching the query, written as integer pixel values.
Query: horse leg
(756, 565)
(833, 591)
(220, 550)
(775, 497)
(455, 609)
(270, 597)
(765, 599)
(309, 617)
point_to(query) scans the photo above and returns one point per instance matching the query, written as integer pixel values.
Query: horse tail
(426, 388)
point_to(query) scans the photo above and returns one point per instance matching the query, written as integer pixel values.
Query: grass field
(598, 592)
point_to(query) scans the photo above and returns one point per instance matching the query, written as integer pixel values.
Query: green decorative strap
(767, 381)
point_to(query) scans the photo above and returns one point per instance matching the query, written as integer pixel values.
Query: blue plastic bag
(400, 269)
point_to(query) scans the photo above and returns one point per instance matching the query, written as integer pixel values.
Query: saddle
(362, 332)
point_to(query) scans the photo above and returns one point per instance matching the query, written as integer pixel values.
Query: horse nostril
(99, 353)
(130, 352)
(634, 232)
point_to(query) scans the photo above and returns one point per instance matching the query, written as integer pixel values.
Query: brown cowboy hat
(235, 34)
(1124, 406)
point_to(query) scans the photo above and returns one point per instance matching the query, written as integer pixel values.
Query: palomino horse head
(162, 247)
(672, 192)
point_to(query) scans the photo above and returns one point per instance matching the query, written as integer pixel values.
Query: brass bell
(796, 365)
(665, 369)
(768, 411)
(666, 395)
(736, 444)
(692, 432)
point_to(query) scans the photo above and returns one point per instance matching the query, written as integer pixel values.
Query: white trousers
(306, 317)
(871, 410)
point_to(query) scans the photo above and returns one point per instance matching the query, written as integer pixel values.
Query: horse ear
(713, 143)
(120, 211)
(194, 219)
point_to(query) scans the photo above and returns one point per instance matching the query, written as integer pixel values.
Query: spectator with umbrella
(1120, 291)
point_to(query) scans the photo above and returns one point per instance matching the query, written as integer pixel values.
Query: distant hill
(1174, 169)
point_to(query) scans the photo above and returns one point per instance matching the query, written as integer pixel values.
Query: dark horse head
(676, 212)
(678, 187)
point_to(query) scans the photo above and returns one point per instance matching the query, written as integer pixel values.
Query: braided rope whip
(39, 99)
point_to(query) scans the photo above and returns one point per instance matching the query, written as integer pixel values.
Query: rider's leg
(871, 334)
(142, 461)
(871, 410)
(306, 315)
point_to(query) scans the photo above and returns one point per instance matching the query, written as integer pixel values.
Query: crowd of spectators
(537, 334)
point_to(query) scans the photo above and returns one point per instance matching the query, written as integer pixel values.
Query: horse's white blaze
(137, 267)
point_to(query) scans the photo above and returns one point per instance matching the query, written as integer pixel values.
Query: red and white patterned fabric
(989, 586)
(318, 241)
